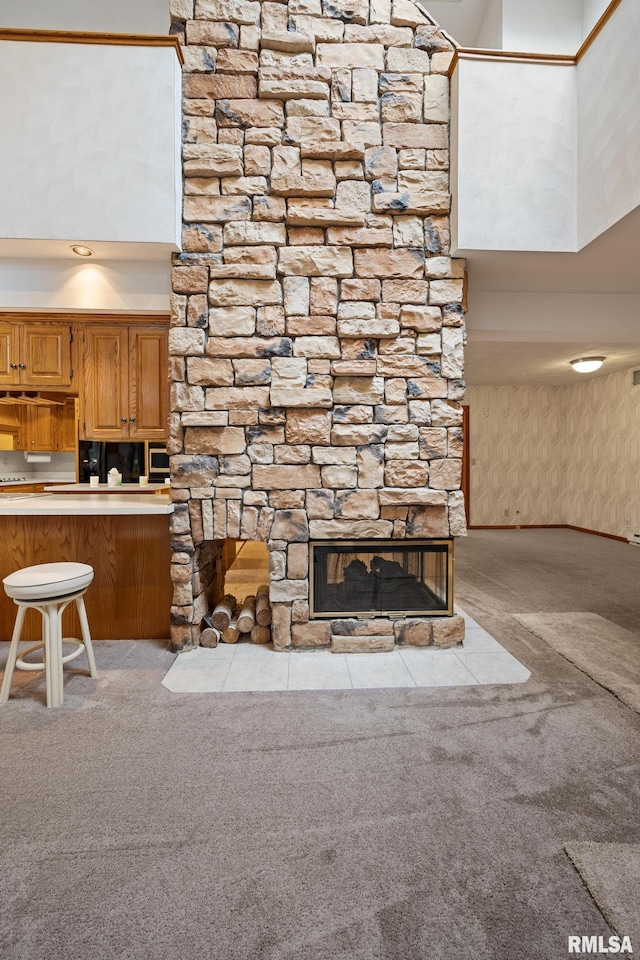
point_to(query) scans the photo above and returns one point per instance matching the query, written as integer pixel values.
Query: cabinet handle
(14, 366)
(132, 419)
(22, 366)
(123, 419)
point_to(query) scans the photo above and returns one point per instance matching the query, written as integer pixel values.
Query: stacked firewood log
(230, 620)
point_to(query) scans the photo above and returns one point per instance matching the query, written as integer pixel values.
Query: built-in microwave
(157, 460)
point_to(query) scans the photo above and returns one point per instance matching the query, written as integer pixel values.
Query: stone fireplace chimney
(318, 319)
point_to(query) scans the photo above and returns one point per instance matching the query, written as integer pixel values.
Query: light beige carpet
(611, 873)
(607, 653)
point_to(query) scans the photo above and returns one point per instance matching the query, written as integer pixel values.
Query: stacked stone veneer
(317, 340)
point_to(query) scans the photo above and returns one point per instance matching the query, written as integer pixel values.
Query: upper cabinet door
(148, 383)
(105, 410)
(67, 425)
(45, 355)
(38, 428)
(9, 346)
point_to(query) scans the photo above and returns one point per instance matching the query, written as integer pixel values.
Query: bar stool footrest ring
(21, 664)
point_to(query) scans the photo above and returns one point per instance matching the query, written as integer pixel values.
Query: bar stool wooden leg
(54, 618)
(86, 635)
(47, 654)
(13, 653)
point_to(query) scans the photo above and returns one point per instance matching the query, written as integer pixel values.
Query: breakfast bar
(124, 538)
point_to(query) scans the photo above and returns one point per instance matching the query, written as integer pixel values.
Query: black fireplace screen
(381, 577)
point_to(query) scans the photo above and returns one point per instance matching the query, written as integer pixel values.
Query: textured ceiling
(491, 363)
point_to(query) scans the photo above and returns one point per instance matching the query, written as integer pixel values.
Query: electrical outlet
(627, 522)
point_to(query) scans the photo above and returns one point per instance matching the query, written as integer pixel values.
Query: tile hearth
(244, 667)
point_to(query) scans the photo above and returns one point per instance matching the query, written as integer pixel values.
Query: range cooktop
(21, 496)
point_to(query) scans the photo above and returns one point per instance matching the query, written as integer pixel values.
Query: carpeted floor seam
(598, 648)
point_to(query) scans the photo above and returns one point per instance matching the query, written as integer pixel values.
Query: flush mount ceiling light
(587, 364)
(81, 250)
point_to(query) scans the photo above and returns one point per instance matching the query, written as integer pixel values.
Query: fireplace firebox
(381, 578)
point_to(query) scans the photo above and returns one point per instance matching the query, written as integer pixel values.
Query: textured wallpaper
(516, 452)
(603, 454)
(557, 454)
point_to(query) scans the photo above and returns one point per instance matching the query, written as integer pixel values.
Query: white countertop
(104, 488)
(86, 505)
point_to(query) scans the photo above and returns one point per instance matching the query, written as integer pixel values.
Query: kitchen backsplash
(61, 467)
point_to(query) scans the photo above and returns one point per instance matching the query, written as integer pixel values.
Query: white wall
(108, 16)
(592, 10)
(109, 286)
(609, 124)
(89, 142)
(515, 184)
(560, 317)
(454, 149)
(490, 33)
(548, 156)
(544, 26)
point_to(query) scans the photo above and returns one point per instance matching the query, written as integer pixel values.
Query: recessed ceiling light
(81, 250)
(587, 364)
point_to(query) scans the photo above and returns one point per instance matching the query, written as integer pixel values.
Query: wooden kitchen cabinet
(35, 355)
(148, 383)
(130, 596)
(125, 389)
(104, 396)
(67, 426)
(8, 347)
(37, 428)
(21, 487)
(41, 427)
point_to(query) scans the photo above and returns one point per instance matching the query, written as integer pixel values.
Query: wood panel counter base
(130, 597)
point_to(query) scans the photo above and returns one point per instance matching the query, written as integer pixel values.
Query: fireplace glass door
(381, 578)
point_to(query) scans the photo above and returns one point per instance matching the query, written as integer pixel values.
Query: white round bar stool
(48, 588)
